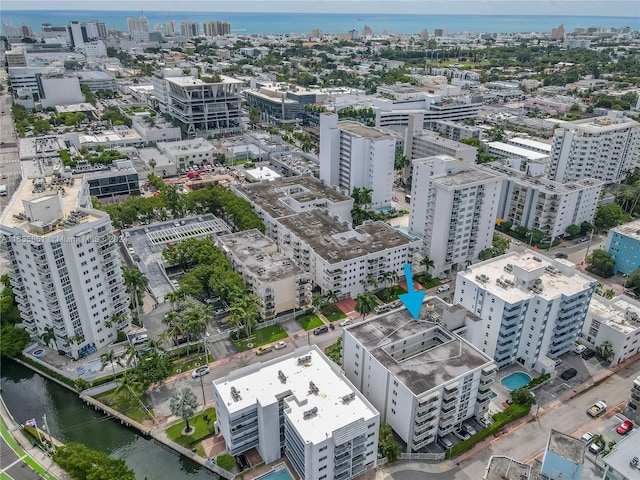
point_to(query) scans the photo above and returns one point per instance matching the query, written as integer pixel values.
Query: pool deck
(502, 393)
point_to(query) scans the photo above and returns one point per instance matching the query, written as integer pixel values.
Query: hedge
(501, 419)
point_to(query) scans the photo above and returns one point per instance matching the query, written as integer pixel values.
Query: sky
(600, 8)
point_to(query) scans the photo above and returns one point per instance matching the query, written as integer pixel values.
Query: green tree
(48, 336)
(183, 404)
(605, 351)
(388, 447)
(13, 340)
(523, 396)
(365, 304)
(154, 369)
(109, 358)
(573, 231)
(609, 216)
(225, 461)
(601, 263)
(83, 463)
(254, 116)
(633, 281)
(136, 284)
(152, 164)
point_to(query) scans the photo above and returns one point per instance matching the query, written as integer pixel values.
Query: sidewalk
(32, 456)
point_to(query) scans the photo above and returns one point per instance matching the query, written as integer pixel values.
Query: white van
(444, 288)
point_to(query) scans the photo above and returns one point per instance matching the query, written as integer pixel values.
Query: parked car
(444, 288)
(445, 442)
(596, 448)
(471, 430)
(516, 242)
(264, 349)
(461, 434)
(138, 339)
(280, 345)
(346, 322)
(587, 354)
(579, 349)
(200, 371)
(559, 362)
(322, 329)
(587, 437)
(625, 427)
(561, 255)
(568, 373)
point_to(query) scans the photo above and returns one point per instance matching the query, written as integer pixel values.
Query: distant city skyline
(630, 8)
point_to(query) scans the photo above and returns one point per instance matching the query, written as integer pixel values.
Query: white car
(586, 437)
(346, 322)
(444, 288)
(200, 371)
(138, 339)
(280, 345)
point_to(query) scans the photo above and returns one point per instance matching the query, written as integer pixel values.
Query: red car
(625, 427)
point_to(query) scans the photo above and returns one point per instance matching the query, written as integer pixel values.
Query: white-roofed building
(531, 309)
(301, 406)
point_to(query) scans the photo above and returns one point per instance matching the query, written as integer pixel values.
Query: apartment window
(322, 449)
(322, 468)
(322, 459)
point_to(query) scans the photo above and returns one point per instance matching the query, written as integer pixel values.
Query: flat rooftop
(528, 143)
(506, 468)
(472, 176)
(263, 383)
(336, 242)
(566, 446)
(631, 229)
(362, 130)
(189, 81)
(518, 151)
(541, 183)
(623, 453)
(14, 213)
(259, 255)
(275, 197)
(504, 276)
(433, 355)
(621, 313)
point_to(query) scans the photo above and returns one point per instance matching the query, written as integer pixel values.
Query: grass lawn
(194, 361)
(309, 321)
(333, 313)
(261, 336)
(203, 429)
(434, 282)
(390, 294)
(124, 402)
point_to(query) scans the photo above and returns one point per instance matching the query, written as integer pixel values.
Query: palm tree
(130, 354)
(109, 358)
(365, 304)
(331, 296)
(364, 196)
(183, 404)
(244, 311)
(152, 164)
(358, 215)
(48, 336)
(173, 297)
(427, 263)
(136, 284)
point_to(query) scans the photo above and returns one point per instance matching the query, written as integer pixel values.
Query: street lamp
(529, 235)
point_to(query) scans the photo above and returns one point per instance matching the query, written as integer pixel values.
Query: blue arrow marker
(412, 299)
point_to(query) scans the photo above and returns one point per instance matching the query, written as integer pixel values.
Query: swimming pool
(515, 381)
(279, 472)
(493, 394)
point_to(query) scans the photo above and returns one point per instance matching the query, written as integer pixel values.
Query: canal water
(29, 395)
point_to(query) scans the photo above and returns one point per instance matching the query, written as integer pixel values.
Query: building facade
(633, 405)
(301, 406)
(64, 265)
(541, 204)
(531, 308)
(216, 28)
(605, 148)
(623, 243)
(280, 284)
(282, 102)
(423, 379)
(202, 107)
(355, 156)
(616, 321)
(453, 209)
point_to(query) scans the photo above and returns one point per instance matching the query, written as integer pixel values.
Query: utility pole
(204, 399)
(588, 245)
(45, 427)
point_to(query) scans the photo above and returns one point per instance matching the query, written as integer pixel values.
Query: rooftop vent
(348, 398)
(313, 388)
(235, 394)
(310, 413)
(282, 376)
(303, 360)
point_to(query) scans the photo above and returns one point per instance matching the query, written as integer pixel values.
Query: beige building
(280, 284)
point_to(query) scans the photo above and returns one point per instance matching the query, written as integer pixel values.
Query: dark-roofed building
(422, 378)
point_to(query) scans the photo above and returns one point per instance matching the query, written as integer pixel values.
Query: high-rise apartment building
(64, 266)
(301, 406)
(355, 156)
(530, 308)
(454, 206)
(189, 29)
(217, 28)
(138, 28)
(605, 148)
(170, 28)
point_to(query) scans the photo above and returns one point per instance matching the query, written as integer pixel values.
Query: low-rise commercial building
(280, 284)
(299, 405)
(282, 102)
(423, 379)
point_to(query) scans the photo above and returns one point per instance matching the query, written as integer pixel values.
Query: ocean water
(329, 23)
